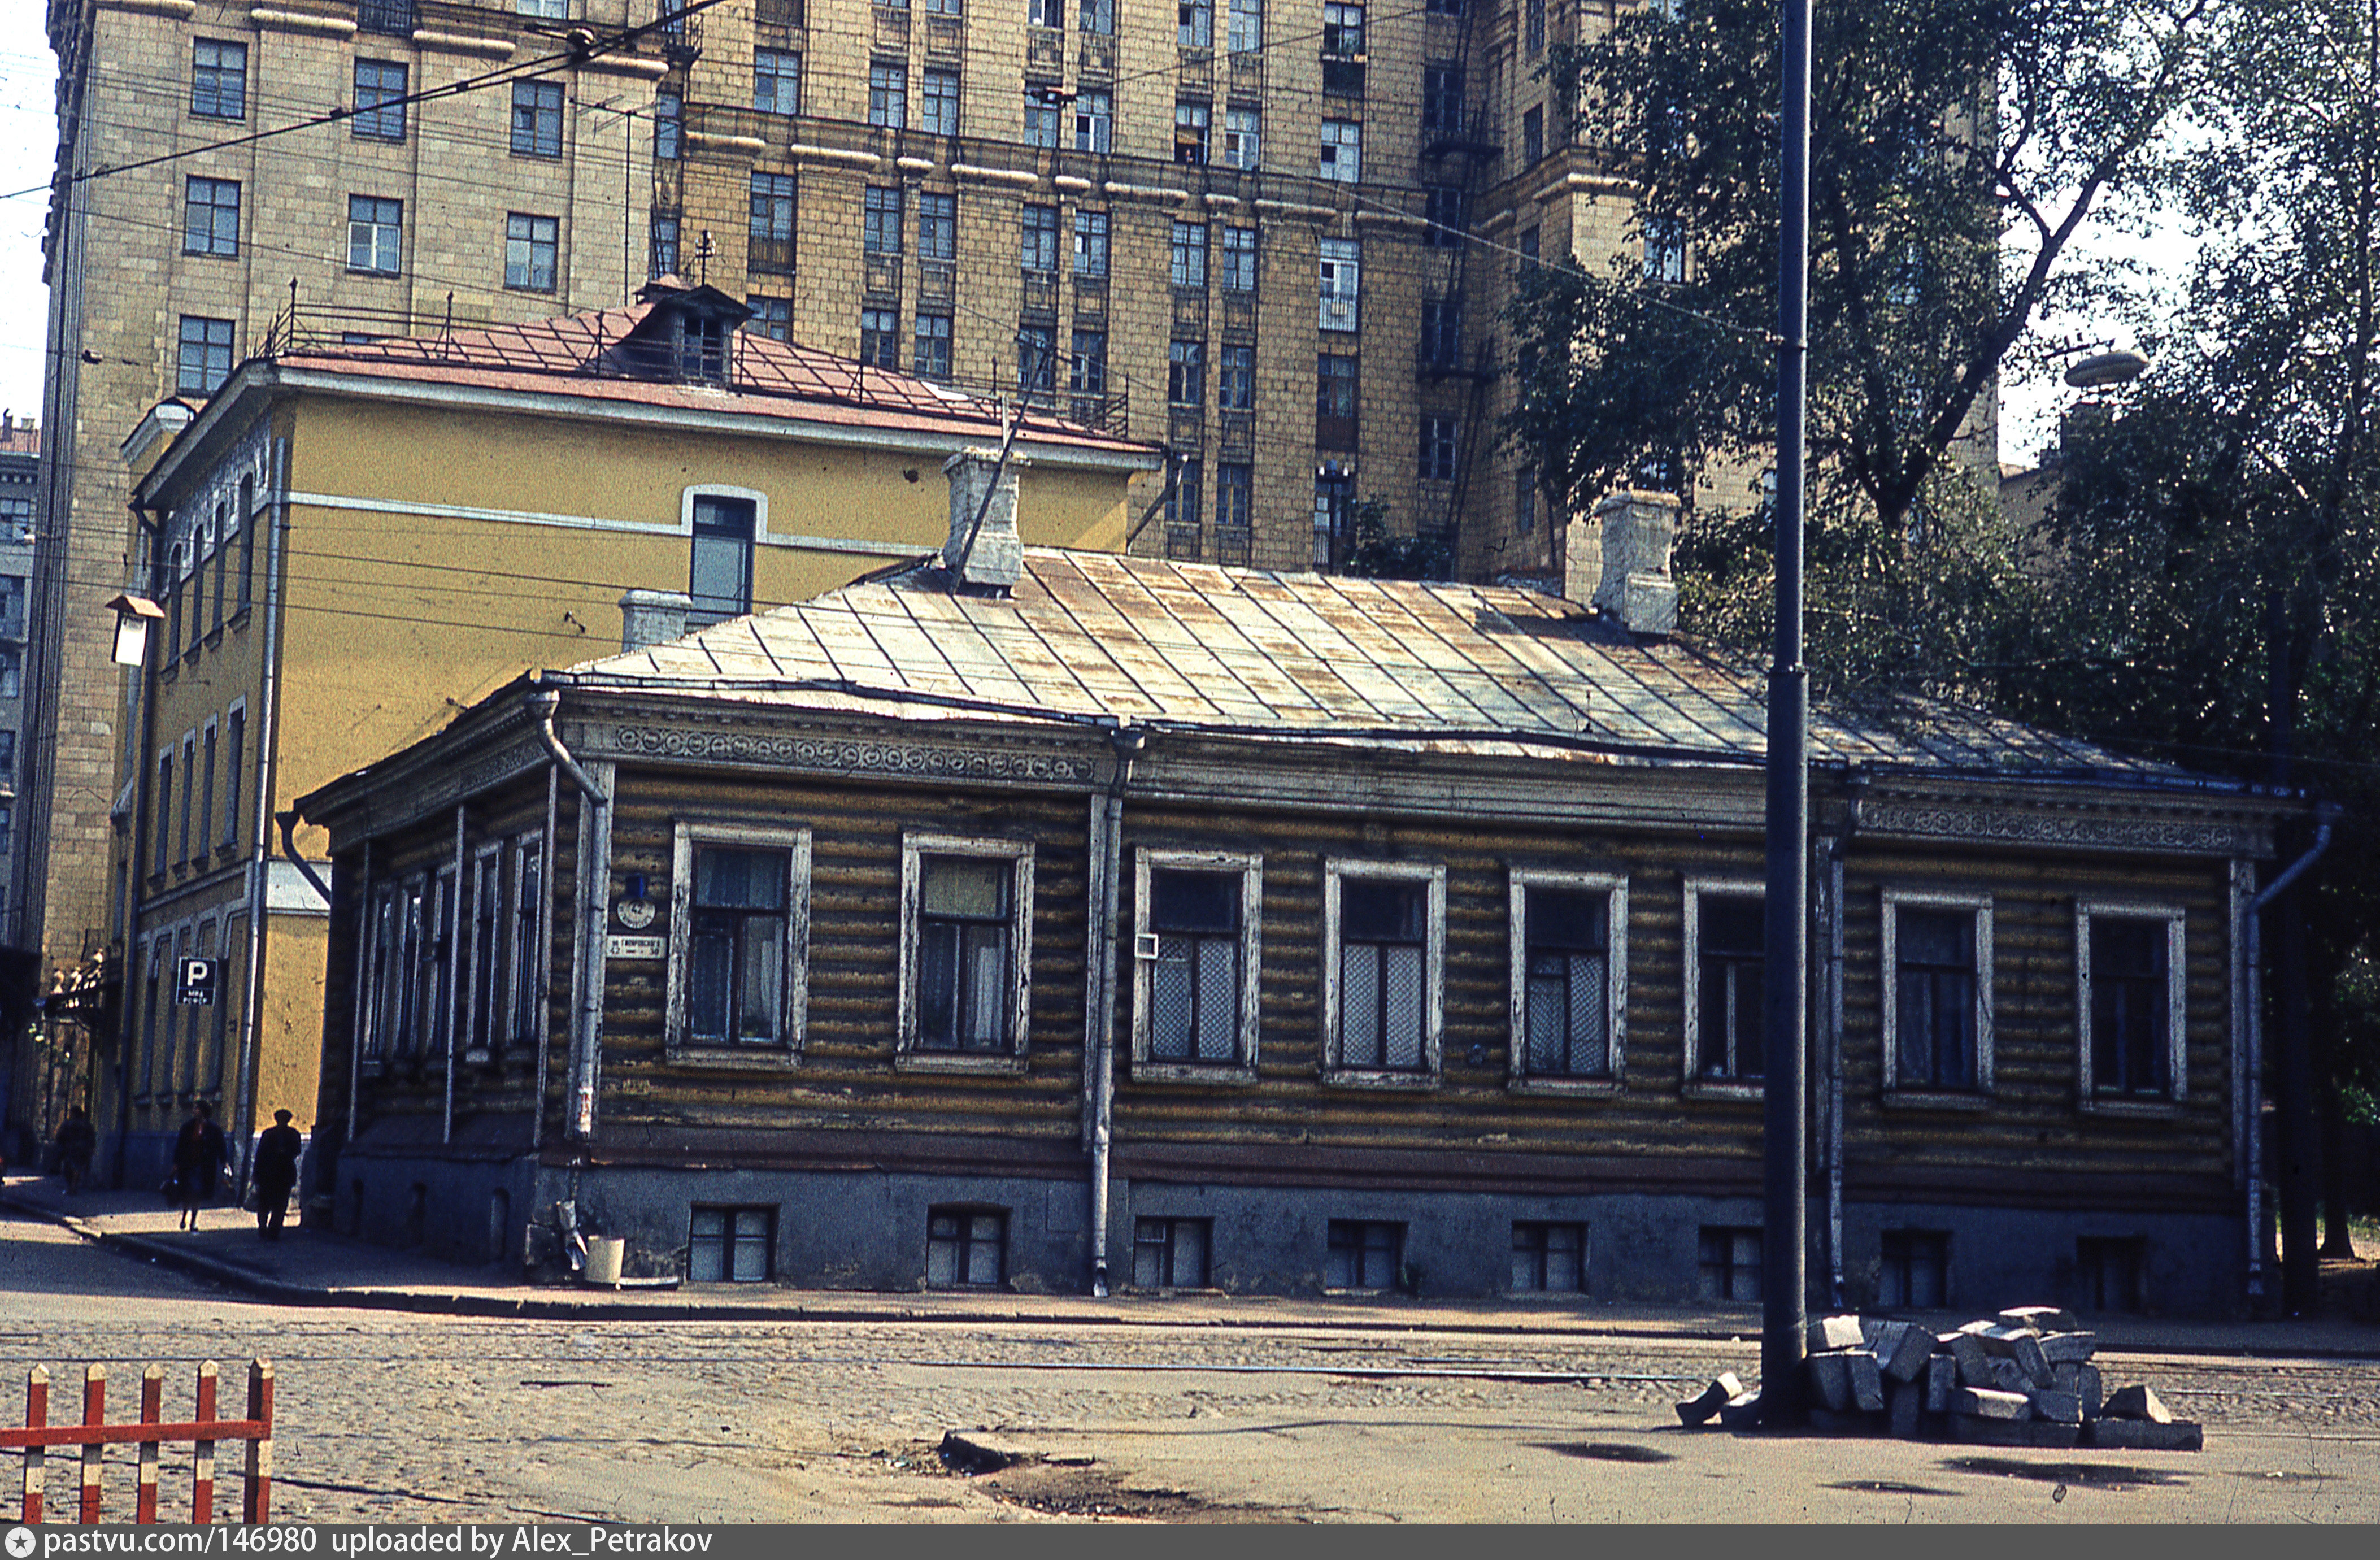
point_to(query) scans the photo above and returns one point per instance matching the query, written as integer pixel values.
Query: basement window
(1548, 1258)
(1170, 1254)
(731, 1245)
(1727, 1263)
(1365, 1255)
(966, 1247)
(2108, 1272)
(1913, 1268)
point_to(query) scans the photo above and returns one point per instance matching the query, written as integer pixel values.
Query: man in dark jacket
(199, 1155)
(277, 1148)
(77, 1142)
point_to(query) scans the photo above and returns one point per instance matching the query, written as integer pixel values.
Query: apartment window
(879, 337)
(165, 810)
(1364, 1254)
(532, 245)
(16, 519)
(1038, 229)
(12, 586)
(1192, 123)
(1548, 1258)
(1334, 494)
(730, 1244)
(247, 518)
(1189, 267)
(1440, 436)
(189, 794)
(375, 235)
(740, 916)
(529, 948)
(1042, 119)
(1196, 961)
(1665, 248)
(1234, 496)
(536, 119)
(1342, 31)
(1342, 151)
(1569, 941)
(206, 788)
(1239, 260)
(938, 225)
(939, 102)
(1086, 367)
(888, 94)
(669, 124)
(966, 1248)
(1524, 500)
(218, 79)
(720, 575)
(1385, 937)
(1335, 400)
(769, 246)
(1529, 241)
(776, 81)
(483, 1001)
(1913, 1269)
(205, 357)
(211, 216)
(1170, 1254)
(1937, 992)
(1727, 1263)
(1441, 331)
(235, 766)
(1090, 243)
(2108, 1272)
(1183, 506)
(380, 100)
(1186, 374)
(881, 230)
(2132, 1009)
(1051, 14)
(945, 7)
(1195, 24)
(664, 259)
(1342, 285)
(1533, 136)
(1096, 16)
(1727, 944)
(1532, 27)
(1447, 215)
(1246, 34)
(1094, 119)
(771, 317)
(965, 906)
(1037, 362)
(1235, 379)
(932, 358)
(1441, 98)
(553, 10)
(1241, 136)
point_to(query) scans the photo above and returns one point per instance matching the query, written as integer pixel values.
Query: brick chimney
(997, 558)
(1625, 547)
(651, 617)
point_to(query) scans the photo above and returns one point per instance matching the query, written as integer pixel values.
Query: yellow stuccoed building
(356, 539)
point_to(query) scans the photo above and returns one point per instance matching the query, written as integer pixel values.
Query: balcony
(391, 19)
(881, 281)
(1045, 49)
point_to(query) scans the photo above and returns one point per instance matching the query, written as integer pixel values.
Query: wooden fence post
(259, 1450)
(37, 1417)
(202, 1459)
(153, 1410)
(94, 1413)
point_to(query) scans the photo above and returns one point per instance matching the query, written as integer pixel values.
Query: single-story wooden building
(1034, 917)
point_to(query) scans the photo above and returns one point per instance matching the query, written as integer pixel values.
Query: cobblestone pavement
(398, 1416)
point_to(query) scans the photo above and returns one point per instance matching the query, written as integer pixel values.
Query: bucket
(604, 1255)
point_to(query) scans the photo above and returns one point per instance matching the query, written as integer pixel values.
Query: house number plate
(636, 948)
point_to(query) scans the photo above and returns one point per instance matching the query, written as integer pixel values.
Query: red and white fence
(94, 1435)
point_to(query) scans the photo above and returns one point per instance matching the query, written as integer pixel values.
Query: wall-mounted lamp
(133, 616)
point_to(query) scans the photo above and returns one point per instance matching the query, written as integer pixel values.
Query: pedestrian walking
(77, 1142)
(277, 1148)
(199, 1155)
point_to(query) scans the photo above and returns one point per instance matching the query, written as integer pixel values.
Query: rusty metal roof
(1096, 637)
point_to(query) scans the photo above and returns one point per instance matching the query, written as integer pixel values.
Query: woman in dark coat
(277, 1150)
(199, 1155)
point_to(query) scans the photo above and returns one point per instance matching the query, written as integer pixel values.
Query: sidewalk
(313, 1267)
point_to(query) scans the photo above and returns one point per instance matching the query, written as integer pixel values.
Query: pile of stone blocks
(2023, 1378)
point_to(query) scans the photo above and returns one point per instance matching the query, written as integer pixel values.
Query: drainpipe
(135, 878)
(1098, 1054)
(594, 871)
(2272, 891)
(276, 506)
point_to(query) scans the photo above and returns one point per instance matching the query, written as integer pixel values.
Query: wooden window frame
(2177, 986)
(1693, 1083)
(1250, 866)
(785, 1050)
(914, 848)
(1978, 902)
(1614, 888)
(1335, 872)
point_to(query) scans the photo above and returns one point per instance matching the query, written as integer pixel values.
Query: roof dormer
(685, 335)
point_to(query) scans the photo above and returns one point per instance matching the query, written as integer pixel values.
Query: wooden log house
(1043, 920)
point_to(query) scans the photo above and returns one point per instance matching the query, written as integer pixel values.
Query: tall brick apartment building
(1273, 235)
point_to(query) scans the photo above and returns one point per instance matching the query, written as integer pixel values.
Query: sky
(29, 139)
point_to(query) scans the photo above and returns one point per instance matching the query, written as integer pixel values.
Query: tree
(1938, 123)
